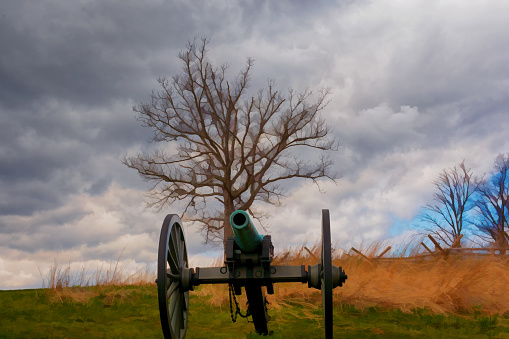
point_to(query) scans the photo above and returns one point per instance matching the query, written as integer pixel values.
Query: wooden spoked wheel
(326, 275)
(172, 258)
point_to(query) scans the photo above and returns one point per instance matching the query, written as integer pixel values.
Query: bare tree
(229, 144)
(492, 204)
(446, 215)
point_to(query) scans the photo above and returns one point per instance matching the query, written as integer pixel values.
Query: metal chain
(237, 307)
(233, 315)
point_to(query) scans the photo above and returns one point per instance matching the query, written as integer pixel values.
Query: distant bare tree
(446, 215)
(230, 144)
(492, 204)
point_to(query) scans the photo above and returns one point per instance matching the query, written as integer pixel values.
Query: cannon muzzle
(246, 235)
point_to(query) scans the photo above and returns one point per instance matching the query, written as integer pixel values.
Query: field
(453, 298)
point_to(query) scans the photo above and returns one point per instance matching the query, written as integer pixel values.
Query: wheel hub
(315, 276)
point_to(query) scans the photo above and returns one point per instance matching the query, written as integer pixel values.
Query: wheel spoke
(187, 306)
(176, 327)
(186, 301)
(172, 260)
(181, 252)
(182, 310)
(172, 276)
(173, 287)
(178, 246)
(172, 239)
(172, 306)
(175, 322)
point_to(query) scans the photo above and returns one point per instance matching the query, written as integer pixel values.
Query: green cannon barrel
(246, 235)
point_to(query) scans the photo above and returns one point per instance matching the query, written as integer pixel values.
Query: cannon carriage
(248, 265)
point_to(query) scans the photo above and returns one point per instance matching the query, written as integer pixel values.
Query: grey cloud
(100, 186)
(32, 224)
(33, 195)
(60, 150)
(425, 78)
(378, 130)
(85, 54)
(429, 60)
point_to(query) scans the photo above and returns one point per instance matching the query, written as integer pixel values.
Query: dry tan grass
(63, 284)
(455, 285)
(444, 286)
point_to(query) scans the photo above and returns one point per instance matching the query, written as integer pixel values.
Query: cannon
(248, 264)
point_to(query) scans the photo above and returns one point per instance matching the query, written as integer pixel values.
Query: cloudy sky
(418, 87)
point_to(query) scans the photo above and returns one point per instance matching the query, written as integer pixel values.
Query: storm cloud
(417, 87)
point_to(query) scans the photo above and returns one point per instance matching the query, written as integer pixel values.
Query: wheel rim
(172, 257)
(326, 274)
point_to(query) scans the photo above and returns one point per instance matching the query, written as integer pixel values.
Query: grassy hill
(454, 298)
(131, 312)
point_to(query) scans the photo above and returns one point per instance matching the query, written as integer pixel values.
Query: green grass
(132, 312)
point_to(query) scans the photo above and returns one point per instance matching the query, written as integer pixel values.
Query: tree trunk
(229, 208)
(501, 242)
(457, 241)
